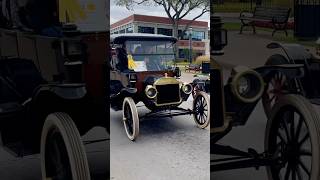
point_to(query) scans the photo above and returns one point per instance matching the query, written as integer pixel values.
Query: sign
(88, 15)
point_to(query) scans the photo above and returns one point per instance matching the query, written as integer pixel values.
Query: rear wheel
(201, 109)
(130, 118)
(63, 155)
(293, 138)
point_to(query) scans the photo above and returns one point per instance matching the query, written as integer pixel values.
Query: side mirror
(177, 72)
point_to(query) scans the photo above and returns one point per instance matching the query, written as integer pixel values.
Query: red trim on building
(156, 19)
(122, 21)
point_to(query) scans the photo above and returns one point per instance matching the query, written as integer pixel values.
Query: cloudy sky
(118, 13)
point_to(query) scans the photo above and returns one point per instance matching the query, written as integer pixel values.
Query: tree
(175, 10)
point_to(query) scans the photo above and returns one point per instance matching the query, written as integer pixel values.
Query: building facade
(161, 25)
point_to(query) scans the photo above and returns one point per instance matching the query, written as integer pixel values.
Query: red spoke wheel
(278, 84)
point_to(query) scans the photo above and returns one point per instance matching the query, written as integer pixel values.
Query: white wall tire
(63, 155)
(130, 118)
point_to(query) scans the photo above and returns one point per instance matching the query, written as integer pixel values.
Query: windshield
(150, 55)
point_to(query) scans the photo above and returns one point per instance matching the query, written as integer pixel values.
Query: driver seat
(122, 64)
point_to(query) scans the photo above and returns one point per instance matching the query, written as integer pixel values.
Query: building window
(164, 31)
(129, 30)
(122, 31)
(149, 30)
(116, 32)
(196, 35)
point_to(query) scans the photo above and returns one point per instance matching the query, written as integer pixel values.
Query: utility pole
(190, 45)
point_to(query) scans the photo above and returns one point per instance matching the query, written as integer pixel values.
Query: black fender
(124, 92)
(203, 81)
(70, 98)
(290, 70)
(64, 91)
(293, 51)
(117, 99)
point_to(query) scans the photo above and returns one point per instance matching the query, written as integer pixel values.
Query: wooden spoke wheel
(201, 109)
(292, 137)
(130, 118)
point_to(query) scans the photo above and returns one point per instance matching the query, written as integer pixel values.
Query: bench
(277, 16)
(193, 67)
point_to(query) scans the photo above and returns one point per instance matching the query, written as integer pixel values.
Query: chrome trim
(235, 81)
(187, 84)
(148, 88)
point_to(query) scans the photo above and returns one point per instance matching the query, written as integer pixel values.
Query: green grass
(232, 7)
(279, 36)
(237, 7)
(231, 26)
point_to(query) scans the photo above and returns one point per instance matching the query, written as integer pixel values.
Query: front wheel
(130, 118)
(201, 109)
(63, 155)
(293, 139)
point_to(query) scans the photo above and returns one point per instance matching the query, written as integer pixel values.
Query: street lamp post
(190, 45)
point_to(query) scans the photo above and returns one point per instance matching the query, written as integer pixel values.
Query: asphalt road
(165, 149)
(28, 168)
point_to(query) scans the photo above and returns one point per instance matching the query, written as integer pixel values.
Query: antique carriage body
(52, 92)
(292, 131)
(53, 76)
(143, 70)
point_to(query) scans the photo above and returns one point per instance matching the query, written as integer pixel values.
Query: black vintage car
(292, 137)
(52, 93)
(143, 70)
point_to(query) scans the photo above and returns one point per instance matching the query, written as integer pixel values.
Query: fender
(290, 70)
(117, 99)
(293, 51)
(64, 91)
(125, 92)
